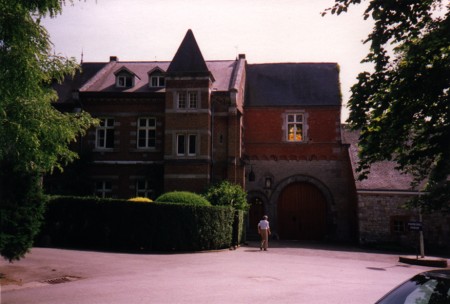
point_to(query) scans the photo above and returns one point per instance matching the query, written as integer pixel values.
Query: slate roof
(383, 175)
(293, 84)
(105, 79)
(188, 58)
(88, 70)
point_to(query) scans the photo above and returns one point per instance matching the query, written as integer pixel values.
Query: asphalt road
(288, 273)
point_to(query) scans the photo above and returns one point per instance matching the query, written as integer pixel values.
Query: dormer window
(125, 78)
(156, 79)
(124, 81)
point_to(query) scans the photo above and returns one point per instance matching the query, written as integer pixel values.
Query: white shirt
(263, 224)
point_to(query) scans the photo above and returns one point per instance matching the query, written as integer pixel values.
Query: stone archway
(258, 208)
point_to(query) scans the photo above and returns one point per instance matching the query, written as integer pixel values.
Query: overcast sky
(265, 30)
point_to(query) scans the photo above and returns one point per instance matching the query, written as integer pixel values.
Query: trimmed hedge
(123, 225)
(183, 197)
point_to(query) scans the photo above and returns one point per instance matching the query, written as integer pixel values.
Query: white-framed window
(295, 127)
(103, 189)
(192, 144)
(187, 99)
(105, 134)
(157, 81)
(182, 97)
(146, 132)
(124, 81)
(186, 144)
(193, 99)
(144, 188)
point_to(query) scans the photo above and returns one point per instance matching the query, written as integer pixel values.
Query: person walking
(264, 232)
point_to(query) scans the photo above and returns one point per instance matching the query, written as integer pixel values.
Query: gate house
(299, 168)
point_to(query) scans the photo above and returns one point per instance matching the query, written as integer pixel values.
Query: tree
(402, 108)
(227, 194)
(34, 136)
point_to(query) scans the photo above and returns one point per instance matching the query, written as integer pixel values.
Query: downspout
(211, 178)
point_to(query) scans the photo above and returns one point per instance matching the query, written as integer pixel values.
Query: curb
(427, 261)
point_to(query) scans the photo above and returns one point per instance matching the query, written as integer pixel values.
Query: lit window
(103, 189)
(143, 188)
(146, 133)
(105, 134)
(294, 127)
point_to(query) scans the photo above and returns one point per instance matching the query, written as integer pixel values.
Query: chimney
(113, 58)
(241, 56)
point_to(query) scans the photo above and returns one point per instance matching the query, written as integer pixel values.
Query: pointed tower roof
(188, 60)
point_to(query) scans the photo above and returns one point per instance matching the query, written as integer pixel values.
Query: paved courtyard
(290, 272)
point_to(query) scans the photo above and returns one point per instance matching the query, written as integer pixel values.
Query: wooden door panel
(302, 212)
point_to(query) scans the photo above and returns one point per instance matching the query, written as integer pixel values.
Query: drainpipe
(211, 178)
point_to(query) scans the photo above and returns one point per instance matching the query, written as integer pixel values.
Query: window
(399, 224)
(294, 127)
(143, 188)
(103, 189)
(192, 100)
(105, 134)
(187, 100)
(182, 100)
(124, 81)
(186, 143)
(146, 133)
(157, 81)
(192, 144)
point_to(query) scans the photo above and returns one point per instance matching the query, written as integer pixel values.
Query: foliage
(227, 194)
(34, 136)
(140, 199)
(21, 212)
(89, 222)
(403, 107)
(183, 197)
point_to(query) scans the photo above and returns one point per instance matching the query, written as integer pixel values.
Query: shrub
(22, 207)
(227, 194)
(140, 199)
(183, 197)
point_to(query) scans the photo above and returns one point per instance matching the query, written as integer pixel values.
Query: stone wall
(383, 219)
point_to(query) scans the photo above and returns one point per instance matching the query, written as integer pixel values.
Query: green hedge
(122, 225)
(183, 197)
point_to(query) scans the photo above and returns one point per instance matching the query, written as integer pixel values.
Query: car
(429, 287)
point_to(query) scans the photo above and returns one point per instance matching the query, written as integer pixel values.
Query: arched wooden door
(301, 212)
(256, 212)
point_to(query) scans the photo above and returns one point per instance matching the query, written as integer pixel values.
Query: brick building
(182, 125)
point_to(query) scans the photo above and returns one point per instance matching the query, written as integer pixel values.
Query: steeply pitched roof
(104, 80)
(188, 59)
(293, 84)
(383, 175)
(88, 70)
